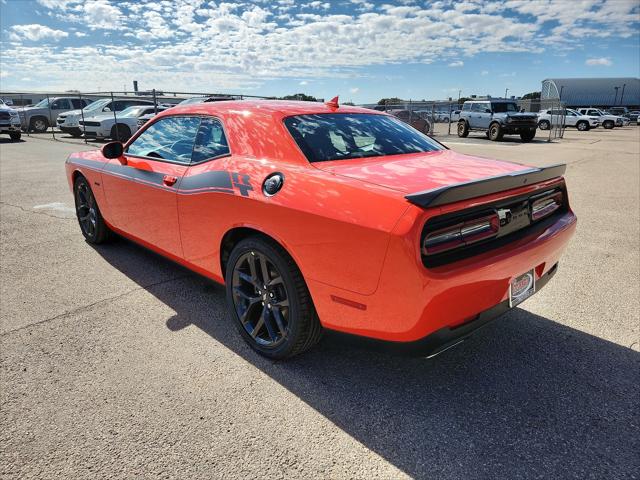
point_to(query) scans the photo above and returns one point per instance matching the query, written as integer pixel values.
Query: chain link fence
(115, 115)
(91, 116)
(440, 118)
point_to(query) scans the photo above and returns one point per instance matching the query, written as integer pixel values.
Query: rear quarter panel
(336, 230)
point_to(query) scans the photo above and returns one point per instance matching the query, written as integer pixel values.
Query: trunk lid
(418, 172)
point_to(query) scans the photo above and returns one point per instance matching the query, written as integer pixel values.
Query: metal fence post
(155, 102)
(115, 119)
(84, 128)
(449, 126)
(53, 134)
(24, 115)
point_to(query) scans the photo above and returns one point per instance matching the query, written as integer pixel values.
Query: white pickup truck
(606, 120)
(571, 118)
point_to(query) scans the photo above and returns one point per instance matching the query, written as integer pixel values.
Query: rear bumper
(412, 302)
(447, 337)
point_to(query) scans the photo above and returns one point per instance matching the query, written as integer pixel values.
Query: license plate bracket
(522, 287)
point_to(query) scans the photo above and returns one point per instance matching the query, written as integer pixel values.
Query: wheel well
(235, 236)
(75, 175)
(35, 117)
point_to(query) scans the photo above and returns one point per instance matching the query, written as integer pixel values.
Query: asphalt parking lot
(117, 363)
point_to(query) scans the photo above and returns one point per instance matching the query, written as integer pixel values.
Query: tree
(300, 96)
(531, 96)
(390, 101)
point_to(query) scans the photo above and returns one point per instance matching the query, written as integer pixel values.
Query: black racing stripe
(155, 178)
(206, 190)
(217, 180)
(93, 164)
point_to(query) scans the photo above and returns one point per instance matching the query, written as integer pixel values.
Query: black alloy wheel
(89, 217)
(269, 300)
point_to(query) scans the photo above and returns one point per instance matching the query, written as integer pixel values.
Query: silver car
(43, 114)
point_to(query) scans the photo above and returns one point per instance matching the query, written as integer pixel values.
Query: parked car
(496, 118)
(345, 219)
(120, 128)
(607, 121)
(568, 117)
(417, 121)
(633, 116)
(618, 111)
(10, 122)
(69, 122)
(43, 114)
(455, 116)
(205, 99)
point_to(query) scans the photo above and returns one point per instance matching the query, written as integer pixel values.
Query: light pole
(459, 92)
(616, 99)
(622, 94)
(505, 92)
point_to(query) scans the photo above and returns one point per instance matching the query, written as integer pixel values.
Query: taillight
(461, 234)
(545, 205)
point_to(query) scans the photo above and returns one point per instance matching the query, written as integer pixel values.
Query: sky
(362, 50)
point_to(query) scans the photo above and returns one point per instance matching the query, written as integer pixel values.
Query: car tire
(495, 132)
(582, 126)
(120, 132)
(39, 124)
(15, 136)
(463, 129)
(269, 301)
(544, 125)
(608, 124)
(90, 219)
(75, 133)
(528, 135)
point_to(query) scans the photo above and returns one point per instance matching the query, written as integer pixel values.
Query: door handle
(169, 180)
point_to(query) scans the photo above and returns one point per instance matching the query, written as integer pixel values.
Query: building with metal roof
(593, 92)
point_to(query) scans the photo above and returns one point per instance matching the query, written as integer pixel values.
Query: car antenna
(333, 103)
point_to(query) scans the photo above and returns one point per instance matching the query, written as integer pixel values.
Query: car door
(57, 107)
(206, 191)
(482, 115)
(141, 187)
(570, 119)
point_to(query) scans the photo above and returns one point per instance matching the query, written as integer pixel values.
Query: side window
(170, 138)
(210, 142)
(480, 107)
(77, 103)
(60, 104)
(466, 107)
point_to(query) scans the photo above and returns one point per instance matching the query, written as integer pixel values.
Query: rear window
(342, 136)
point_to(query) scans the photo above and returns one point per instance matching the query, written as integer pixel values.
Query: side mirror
(106, 109)
(487, 110)
(114, 150)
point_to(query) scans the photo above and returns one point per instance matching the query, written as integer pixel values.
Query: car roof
(281, 108)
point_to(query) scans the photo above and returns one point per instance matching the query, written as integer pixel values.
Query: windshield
(504, 107)
(132, 111)
(97, 105)
(193, 100)
(343, 136)
(42, 103)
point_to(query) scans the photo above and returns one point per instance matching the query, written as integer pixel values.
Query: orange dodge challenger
(320, 216)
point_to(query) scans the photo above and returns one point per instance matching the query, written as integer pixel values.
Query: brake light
(546, 205)
(461, 234)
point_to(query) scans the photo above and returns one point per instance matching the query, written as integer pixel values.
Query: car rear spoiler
(477, 188)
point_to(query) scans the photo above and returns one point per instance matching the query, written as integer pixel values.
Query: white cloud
(102, 14)
(205, 44)
(303, 83)
(35, 32)
(603, 61)
(354, 90)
